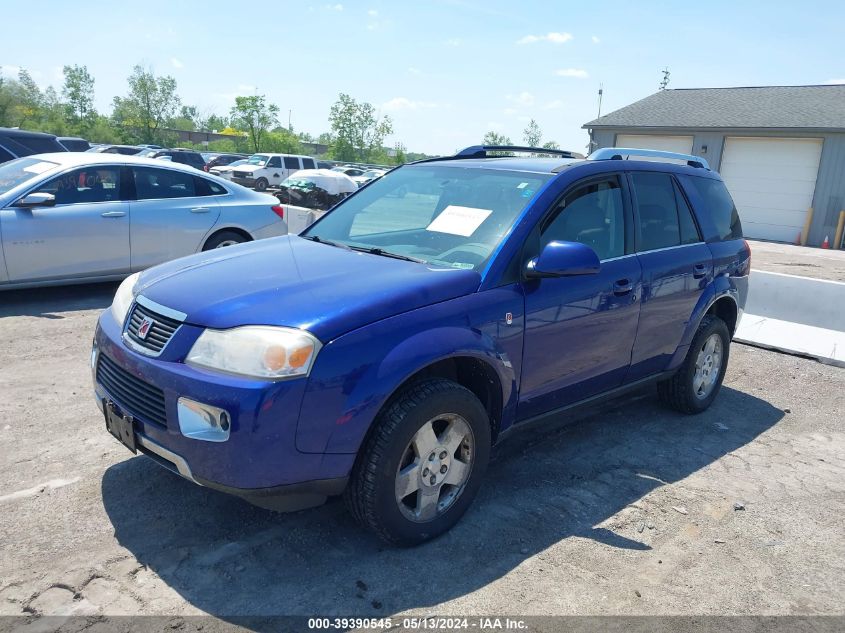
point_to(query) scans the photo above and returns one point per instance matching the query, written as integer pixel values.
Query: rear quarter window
(720, 207)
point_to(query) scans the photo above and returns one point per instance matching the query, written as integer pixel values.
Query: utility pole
(289, 128)
(601, 91)
(665, 81)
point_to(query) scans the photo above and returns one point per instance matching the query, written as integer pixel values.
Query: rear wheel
(261, 184)
(223, 239)
(697, 382)
(423, 464)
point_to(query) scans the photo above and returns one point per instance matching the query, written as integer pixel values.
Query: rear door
(579, 330)
(677, 266)
(85, 234)
(171, 215)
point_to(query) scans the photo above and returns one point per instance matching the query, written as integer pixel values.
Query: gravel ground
(798, 260)
(632, 509)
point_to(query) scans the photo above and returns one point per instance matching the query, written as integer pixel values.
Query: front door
(170, 217)
(86, 234)
(579, 330)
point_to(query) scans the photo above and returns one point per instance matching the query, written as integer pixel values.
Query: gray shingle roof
(805, 107)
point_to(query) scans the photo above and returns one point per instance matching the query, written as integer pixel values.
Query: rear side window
(720, 206)
(657, 208)
(155, 184)
(291, 162)
(307, 163)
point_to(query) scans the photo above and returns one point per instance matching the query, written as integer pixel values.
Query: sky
(445, 71)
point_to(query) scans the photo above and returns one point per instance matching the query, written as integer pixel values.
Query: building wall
(829, 196)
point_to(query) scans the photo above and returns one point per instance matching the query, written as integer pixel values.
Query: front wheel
(423, 463)
(261, 184)
(697, 382)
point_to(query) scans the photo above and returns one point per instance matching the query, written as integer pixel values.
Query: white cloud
(553, 105)
(403, 103)
(246, 88)
(834, 82)
(595, 39)
(334, 7)
(577, 73)
(11, 71)
(496, 126)
(454, 42)
(554, 38)
(372, 13)
(510, 111)
(523, 99)
(414, 71)
(176, 63)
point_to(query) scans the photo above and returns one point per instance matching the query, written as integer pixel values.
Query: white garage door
(772, 181)
(682, 144)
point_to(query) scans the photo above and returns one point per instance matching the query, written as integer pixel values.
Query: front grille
(242, 174)
(132, 394)
(159, 333)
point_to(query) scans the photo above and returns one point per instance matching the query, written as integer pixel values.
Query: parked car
(367, 176)
(147, 152)
(270, 170)
(381, 353)
(221, 160)
(315, 189)
(74, 143)
(80, 217)
(350, 171)
(125, 150)
(184, 156)
(16, 143)
(225, 171)
(149, 146)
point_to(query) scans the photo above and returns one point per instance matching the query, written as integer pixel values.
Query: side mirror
(563, 259)
(37, 200)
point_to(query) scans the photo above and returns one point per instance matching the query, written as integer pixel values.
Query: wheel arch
(226, 229)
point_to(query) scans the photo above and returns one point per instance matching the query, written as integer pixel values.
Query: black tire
(678, 391)
(261, 184)
(370, 495)
(222, 239)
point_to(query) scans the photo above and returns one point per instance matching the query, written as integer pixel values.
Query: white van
(270, 170)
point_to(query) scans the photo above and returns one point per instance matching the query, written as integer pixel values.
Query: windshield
(19, 171)
(257, 159)
(443, 215)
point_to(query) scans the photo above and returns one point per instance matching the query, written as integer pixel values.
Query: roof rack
(619, 153)
(483, 151)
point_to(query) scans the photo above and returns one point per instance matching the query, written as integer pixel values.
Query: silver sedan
(80, 217)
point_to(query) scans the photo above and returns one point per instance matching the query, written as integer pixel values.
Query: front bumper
(246, 182)
(259, 461)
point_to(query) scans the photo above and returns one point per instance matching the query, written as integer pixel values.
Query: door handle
(113, 214)
(699, 271)
(622, 287)
(200, 210)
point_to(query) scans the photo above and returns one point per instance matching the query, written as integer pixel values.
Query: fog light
(202, 421)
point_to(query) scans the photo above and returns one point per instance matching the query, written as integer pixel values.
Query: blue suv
(382, 352)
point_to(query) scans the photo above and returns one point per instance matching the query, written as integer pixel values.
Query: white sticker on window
(459, 220)
(522, 185)
(39, 168)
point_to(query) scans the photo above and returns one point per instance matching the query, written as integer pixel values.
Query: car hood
(290, 281)
(248, 168)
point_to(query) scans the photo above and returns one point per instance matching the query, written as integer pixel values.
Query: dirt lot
(798, 260)
(631, 510)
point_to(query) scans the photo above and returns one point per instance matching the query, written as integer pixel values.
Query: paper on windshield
(459, 220)
(39, 168)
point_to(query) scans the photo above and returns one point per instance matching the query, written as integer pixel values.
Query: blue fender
(346, 393)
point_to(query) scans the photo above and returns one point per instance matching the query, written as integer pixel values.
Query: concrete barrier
(798, 315)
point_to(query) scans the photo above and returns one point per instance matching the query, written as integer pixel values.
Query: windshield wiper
(374, 250)
(320, 240)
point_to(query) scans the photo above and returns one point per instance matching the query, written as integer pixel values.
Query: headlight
(257, 351)
(123, 298)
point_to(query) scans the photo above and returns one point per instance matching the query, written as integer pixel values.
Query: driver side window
(592, 214)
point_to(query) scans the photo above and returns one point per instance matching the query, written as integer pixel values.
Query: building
(780, 149)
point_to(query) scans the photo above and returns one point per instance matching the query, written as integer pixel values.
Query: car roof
(535, 164)
(7, 131)
(81, 159)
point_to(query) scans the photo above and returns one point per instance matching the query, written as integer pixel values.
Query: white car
(225, 171)
(270, 170)
(367, 176)
(80, 217)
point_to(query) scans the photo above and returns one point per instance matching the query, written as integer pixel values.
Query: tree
(358, 133)
(215, 122)
(151, 102)
(29, 99)
(254, 116)
(532, 135)
(78, 93)
(400, 156)
(550, 145)
(494, 138)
